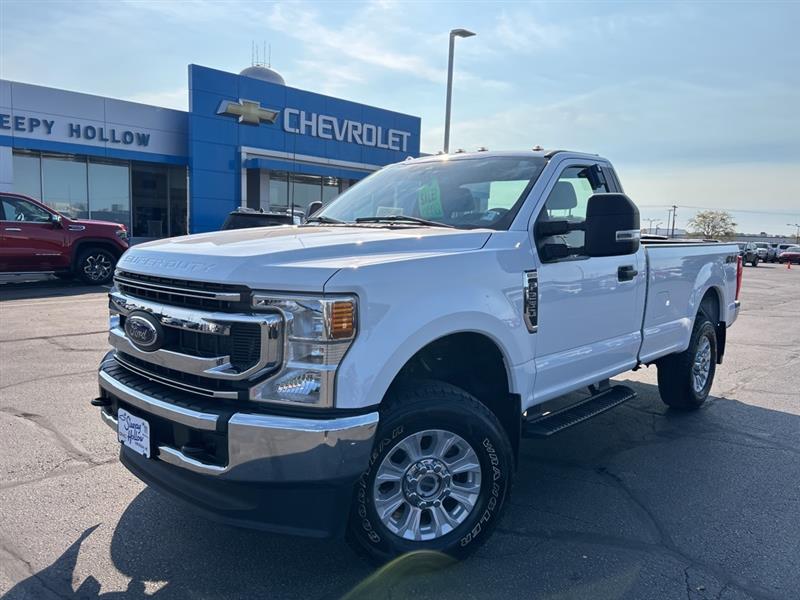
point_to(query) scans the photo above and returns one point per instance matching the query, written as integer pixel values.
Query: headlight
(319, 330)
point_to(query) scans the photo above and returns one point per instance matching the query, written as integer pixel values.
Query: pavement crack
(24, 381)
(43, 423)
(50, 337)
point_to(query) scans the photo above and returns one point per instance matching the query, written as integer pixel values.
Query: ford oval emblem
(144, 331)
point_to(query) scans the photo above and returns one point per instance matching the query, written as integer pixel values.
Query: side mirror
(57, 221)
(546, 229)
(313, 207)
(611, 226)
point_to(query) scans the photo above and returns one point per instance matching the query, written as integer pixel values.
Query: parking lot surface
(641, 502)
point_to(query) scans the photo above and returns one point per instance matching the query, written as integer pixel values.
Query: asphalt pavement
(639, 503)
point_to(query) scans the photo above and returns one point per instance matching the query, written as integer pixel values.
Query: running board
(548, 424)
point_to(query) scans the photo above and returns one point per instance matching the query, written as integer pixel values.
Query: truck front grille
(206, 352)
(182, 292)
(194, 384)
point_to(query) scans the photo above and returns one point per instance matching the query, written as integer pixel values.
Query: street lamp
(463, 33)
(797, 233)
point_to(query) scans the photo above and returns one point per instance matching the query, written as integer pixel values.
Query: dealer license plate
(133, 432)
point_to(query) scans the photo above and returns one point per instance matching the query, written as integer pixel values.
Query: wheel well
(474, 363)
(710, 305)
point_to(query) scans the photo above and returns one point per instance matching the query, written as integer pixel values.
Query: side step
(592, 406)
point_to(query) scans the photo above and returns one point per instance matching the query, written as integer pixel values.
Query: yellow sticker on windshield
(429, 200)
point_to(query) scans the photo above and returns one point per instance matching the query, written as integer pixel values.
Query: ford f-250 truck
(371, 372)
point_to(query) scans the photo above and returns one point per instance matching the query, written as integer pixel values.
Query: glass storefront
(292, 189)
(149, 199)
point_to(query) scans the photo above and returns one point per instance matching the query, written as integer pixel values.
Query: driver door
(30, 240)
(590, 308)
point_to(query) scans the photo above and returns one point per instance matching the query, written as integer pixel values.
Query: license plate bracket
(133, 432)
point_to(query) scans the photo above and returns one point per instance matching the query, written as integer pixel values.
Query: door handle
(13, 229)
(626, 273)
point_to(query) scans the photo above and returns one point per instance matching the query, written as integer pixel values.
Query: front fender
(405, 305)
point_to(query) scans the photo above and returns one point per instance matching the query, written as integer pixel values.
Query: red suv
(34, 238)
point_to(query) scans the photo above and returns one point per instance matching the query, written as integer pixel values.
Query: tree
(713, 224)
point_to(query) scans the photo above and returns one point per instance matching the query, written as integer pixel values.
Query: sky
(697, 104)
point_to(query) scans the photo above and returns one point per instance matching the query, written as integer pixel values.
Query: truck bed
(677, 270)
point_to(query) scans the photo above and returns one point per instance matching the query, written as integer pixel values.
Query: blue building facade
(247, 140)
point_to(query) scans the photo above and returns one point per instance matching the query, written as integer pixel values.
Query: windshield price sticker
(429, 199)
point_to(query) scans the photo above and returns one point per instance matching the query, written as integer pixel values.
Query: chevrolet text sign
(326, 127)
(343, 130)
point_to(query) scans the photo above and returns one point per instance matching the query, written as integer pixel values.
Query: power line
(733, 210)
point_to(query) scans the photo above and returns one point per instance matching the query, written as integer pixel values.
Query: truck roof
(508, 153)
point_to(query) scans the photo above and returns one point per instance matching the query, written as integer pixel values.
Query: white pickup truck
(371, 372)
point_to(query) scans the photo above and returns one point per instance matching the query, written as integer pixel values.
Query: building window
(109, 191)
(287, 189)
(149, 187)
(278, 190)
(303, 190)
(87, 187)
(64, 185)
(27, 174)
(178, 205)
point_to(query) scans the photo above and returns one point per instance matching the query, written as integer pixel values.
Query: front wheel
(95, 266)
(755, 262)
(684, 380)
(438, 477)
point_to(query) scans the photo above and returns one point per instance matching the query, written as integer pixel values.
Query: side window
(17, 209)
(568, 201)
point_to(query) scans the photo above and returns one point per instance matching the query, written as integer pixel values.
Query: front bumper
(256, 469)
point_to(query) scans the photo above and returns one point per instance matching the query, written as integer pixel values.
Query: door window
(22, 211)
(568, 201)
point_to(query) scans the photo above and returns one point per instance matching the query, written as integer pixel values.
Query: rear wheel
(437, 479)
(95, 266)
(684, 380)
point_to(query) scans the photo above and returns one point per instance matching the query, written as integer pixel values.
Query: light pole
(797, 233)
(464, 33)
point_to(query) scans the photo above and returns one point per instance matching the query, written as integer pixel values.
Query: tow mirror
(611, 226)
(313, 207)
(550, 228)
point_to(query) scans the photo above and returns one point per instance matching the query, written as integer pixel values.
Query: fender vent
(531, 300)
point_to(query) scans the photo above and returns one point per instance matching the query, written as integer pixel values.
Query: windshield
(463, 193)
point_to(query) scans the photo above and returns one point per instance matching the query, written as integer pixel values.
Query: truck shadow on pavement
(641, 502)
(47, 288)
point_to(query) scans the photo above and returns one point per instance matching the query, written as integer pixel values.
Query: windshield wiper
(402, 219)
(324, 219)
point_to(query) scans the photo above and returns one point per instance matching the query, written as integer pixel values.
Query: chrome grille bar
(178, 291)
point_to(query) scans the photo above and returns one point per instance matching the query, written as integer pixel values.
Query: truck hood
(292, 258)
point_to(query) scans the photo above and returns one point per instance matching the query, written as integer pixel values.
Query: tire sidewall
(490, 445)
(84, 255)
(704, 329)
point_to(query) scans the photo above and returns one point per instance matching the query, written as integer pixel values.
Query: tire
(677, 381)
(755, 262)
(425, 417)
(95, 266)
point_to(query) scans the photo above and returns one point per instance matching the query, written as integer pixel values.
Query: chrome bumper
(262, 448)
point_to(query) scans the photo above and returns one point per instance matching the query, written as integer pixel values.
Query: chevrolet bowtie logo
(249, 112)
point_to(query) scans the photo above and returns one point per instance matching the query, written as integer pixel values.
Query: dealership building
(248, 140)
